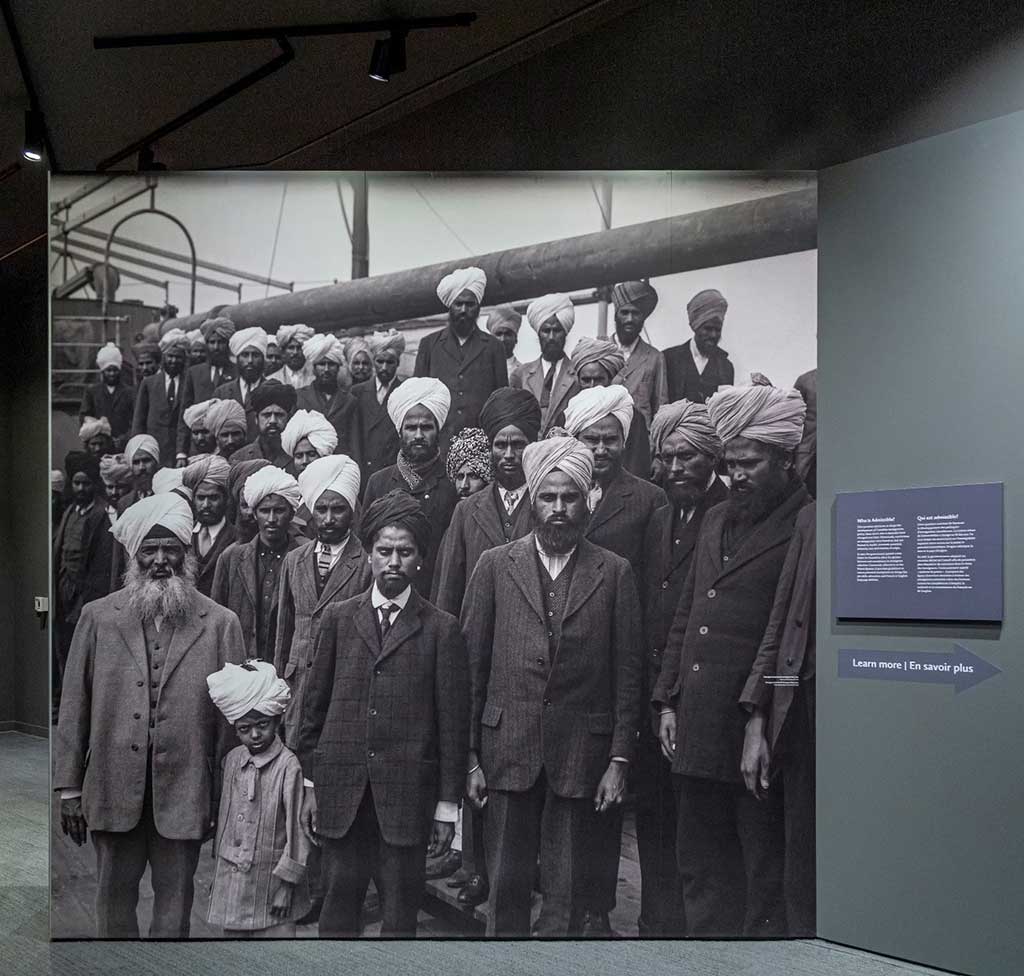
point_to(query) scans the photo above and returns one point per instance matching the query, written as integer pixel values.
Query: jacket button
(789, 661)
(371, 753)
(703, 630)
(540, 660)
(426, 496)
(711, 594)
(376, 670)
(135, 747)
(547, 703)
(664, 585)
(137, 715)
(696, 667)
(726, 558)
(373, 711)
(655, 652)
(140, 683)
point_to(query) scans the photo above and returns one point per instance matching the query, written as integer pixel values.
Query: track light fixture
(388, 56)
(32, 148)
(147, 161)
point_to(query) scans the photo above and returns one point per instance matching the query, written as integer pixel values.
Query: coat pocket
(601, 723)
(491, 716)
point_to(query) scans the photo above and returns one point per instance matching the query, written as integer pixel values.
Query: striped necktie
(385, 618)
(323, 560)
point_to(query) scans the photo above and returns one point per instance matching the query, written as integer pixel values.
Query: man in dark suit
(378, 438)
(621, 507)
(207, 479)
(551, 378)
(158, 405)
(325, 356)
(697, 368)
(272, 403)
(247, 577)
(469, 361)
(247, 348)
(552, 625)
(112, 397)
(384, 730)
(687, 447)
(201, 380)
(643, 370)
(730, 843)
(418, 409)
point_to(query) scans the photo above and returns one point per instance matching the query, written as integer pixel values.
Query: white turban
(590, 406)
(337, 472)
(315, 427)
(286, 333)
(57, 480)
(419, 391)
(109, 355)
(462, 279)
(173, 338)
(324, 346)
(142, 442)
(169, 479)
(762, 413)
(93, 427)
(195, 338)
(271, 480)
(253, 338)
(195, 416)
(168, 509)
(543, 308)
(392, 339)
(238, 689)
(564, 454)
(224, 414)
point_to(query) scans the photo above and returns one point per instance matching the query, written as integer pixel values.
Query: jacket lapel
(366, 624)
(344, 568)
(563, 386)
(185, 635)
(524, 572)
(585, 578)
(487, 515)
(474, 346)
(688, 537)
(406, 626)
(533, 379)
(775, 530)
(247, 570)
(612, 501)
(130, 625)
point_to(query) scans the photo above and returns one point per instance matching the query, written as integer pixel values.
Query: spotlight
(147, 161)
(388, 56)
(33, 146)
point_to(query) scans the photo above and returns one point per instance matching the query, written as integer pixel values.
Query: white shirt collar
(554, 563)
(699, 359)
(378, 599)
(334, 547)
(214, 529)
(627, 351)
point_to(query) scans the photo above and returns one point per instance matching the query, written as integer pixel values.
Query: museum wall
(920, 352)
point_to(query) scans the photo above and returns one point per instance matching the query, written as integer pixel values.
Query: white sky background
(421, 219)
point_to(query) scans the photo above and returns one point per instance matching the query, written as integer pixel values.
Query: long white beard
(169, 598)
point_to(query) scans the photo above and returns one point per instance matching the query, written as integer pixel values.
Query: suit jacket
(478, 524)
(715, 637)
(93, 579)
(153, 415)
(232, 390)
(198, 386)
(117, 408)
(530, 376)
(668, 561)
(788, 644)
(379, 439)
(234, 587)
(208, 563)
(472, 372)
(567, 716)
(101, 742)
(343, 415)
(254, 452)
(684, 382)
(636, 452)
(391, 714)
(644, 377)
(438, 498)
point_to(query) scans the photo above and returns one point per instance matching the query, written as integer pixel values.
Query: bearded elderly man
(643, 372)
(552, 626)
(248, 575)
(158, 403)
(687, 448)
(551, 378)
(296, 370)
(207, 479)
(112, 397)
(418, 410)
(324, 395)
(138, 745)
(202, 379)
(379, 439)
(469, 361)
(730, 842)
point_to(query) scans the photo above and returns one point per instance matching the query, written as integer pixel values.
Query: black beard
(169, 598)
(271, 440)
(560, 537)
(509, 481)
(758, 504)
(403, 450)
(684, 497)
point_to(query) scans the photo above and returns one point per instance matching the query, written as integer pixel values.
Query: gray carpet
(26, 951)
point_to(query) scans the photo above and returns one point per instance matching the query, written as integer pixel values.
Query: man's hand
(611, 791)
(441, 836)
(476, 788)
(667, 735)
(307, 815)
(181, 463)
(211, 821)
(755, 757)
(281, 903)
(72, 820)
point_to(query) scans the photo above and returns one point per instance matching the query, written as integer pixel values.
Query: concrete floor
(26, 951)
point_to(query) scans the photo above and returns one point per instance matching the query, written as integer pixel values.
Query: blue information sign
(919, 554)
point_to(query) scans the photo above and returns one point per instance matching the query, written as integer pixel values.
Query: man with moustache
(248, 574)
(552, 378)
(295, 370)
(325, 357)
(227, 424)
(468, 463)
(687, 448)
(207, 479)
(95, 437)
(469, 361)
(196, 347)
(202, 379)
(418, 410)
(116, 475)
(730, 843)
(201, 440)
(503, 322)
(643, 372)
(699, 367)
(113, 397)
(378, 437)
(158, 403)
(147, 360)
(239, 514)
(247, 349)
(138, 744)
(359, 359)
(273, 403)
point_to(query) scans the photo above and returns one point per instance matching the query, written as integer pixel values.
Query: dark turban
(639, 294)
(273, 392)
(704, 306)
(76, 461)
(398, 508)
(220, 326)
(510, 406)
(504, 315)
(146, 349)
(604, 352)
(239, 472)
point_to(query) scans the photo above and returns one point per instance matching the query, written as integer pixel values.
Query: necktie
(594, 497)
(385, 618)
(382, 394)
(170, 393)
(511, 499)
(323, 560)
(205, 541)
(545, 393)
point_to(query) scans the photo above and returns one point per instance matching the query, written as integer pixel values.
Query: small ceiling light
(388, 56)
(33, 146)
(147, 161)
